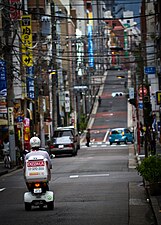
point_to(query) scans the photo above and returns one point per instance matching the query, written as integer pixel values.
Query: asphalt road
(113, 110)
(91, 188)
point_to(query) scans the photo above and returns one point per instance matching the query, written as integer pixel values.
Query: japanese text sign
(26, 37)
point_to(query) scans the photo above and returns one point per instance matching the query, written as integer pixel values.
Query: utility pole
(7, 49)
(41, 106)
(54, 67)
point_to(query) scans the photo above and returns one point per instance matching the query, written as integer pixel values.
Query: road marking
(90, 175)
(2, 189)
(104, 140)
(104, 145)
(74, 176)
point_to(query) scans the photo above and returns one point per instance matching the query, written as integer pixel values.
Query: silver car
(63, 141)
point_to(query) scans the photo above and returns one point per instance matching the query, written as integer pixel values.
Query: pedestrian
(99, 100)
(153, 141)
(88, 137)
(141, 134)
(6, 146)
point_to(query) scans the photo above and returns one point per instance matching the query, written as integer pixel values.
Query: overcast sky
(133, 5)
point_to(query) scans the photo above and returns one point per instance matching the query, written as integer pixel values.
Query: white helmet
(35, 142)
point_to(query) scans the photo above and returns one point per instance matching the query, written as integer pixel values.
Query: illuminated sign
(90, 47)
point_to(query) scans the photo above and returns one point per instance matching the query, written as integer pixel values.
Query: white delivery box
(36, 169)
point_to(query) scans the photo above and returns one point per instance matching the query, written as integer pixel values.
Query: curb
(155, 207)
(10, 170)
(3, 173)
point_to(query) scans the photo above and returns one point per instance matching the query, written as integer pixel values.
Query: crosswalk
(103, 145)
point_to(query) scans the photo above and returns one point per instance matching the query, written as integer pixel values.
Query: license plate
(37, 190)
(61, 146)
(116, 139)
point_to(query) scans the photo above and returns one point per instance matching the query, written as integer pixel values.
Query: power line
(79, 18)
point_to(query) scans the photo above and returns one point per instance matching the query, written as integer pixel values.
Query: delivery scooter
(37, 180)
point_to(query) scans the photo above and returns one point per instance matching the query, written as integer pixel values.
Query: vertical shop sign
(10, 116)
(90, 41)
(90, 38)
(30, 82)
(27, 57)
(3, 79)
(90, 47)
(67, 102)
(3, 88)
(27, 133)
(126, 45)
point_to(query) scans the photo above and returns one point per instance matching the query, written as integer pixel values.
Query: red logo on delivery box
(35, 163)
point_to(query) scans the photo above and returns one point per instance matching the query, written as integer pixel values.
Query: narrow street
(98, 186)
(80, 79)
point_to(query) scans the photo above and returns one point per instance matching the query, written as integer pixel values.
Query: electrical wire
(86, 19)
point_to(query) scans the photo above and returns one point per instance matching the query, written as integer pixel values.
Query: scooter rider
(35, 145)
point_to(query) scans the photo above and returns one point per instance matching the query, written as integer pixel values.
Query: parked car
(76, 134)
(119, 135)
(64, 141)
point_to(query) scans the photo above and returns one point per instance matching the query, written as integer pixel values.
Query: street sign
(19, 119)
(10, 116)
(80, 88)
(158, 97)
(140, 105)
(149, 70)
(131, 93)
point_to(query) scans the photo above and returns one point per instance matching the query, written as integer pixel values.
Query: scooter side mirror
(52, 156)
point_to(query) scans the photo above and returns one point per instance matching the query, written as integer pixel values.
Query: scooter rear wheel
(50, 205)
(27, 206)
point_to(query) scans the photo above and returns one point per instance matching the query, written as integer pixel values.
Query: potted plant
(150, 170)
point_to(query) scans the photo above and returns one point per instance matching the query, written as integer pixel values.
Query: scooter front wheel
(27, 206)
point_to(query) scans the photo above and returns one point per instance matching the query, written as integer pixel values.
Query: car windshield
(116, 131)
(62, 133)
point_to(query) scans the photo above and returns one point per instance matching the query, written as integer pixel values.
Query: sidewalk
(4, 170)
(155, 201)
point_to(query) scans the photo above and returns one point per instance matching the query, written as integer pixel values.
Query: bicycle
(7, 159)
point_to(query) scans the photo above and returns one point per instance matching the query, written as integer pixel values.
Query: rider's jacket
(40, 152)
